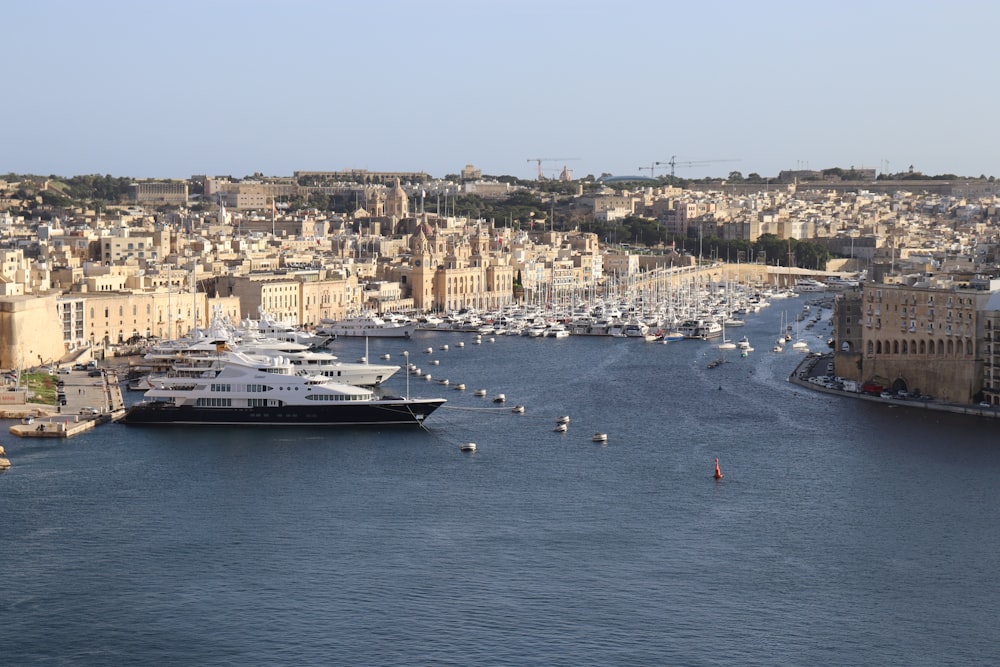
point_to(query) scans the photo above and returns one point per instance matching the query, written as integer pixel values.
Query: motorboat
(810, 285)
(467, 447)
(600, 437)
(270, 392)
(366, 325)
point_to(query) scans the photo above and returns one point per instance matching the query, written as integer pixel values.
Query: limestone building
(452, 271)
(28, 335)
(914, 338)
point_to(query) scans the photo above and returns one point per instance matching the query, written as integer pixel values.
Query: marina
(630, 540)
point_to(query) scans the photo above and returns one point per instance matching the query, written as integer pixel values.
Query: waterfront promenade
(91, 400)
(813, 366)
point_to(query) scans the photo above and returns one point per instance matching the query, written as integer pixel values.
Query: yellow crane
(540, 160)
(673, 162)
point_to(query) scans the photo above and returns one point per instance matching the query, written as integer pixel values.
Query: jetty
(89, 398)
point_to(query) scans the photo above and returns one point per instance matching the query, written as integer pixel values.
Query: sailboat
(726, 344)
(779, 345)
(799, 344)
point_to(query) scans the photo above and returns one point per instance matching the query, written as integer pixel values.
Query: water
(842, 533)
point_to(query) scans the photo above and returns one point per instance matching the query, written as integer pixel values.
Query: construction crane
(540, 160)
(651, 168)
(690, 163)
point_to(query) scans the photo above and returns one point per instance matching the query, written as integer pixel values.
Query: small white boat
(560, 428)
(499, 398)
(444, 381)
(387, 356)
(459, 387)
(443, 347)
(562, 420)
(429, 350)
(436, 362)
(518, 409)
(427, 377)
(600, 437)
(468, 447)
(480, 392)
(459, 344)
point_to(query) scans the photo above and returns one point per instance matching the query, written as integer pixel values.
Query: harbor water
(842, 532)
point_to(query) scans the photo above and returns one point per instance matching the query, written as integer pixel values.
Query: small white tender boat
(480, 392)
(459, 387)
(499, 398)
(600, 437)
(468, 447)
(562, 420)
(518, 409)
(561, 428)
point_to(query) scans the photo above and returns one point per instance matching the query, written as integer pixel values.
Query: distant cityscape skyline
(638, 174)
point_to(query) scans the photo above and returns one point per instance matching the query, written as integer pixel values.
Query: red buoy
(718, 473)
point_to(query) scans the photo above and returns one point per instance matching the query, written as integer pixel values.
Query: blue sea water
(843, 532)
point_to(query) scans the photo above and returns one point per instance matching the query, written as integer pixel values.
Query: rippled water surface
(842, 533)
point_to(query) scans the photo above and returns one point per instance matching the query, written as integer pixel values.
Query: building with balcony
(915, 338)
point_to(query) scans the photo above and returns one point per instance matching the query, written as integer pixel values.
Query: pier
(92, 397)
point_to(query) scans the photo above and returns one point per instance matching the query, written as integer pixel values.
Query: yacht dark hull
(383, 412)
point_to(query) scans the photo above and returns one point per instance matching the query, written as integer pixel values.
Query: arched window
(923, 348)
(871, 347)
(878, 347)
(951, 347)
(968, 347)
(895, 347)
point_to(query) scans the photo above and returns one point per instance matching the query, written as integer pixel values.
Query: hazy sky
(171, 89)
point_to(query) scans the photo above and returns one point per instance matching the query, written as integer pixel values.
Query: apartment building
(913, 338)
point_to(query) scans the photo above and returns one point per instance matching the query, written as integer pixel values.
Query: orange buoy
(718, 473)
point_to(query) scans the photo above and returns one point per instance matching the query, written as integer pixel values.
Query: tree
(319, 201)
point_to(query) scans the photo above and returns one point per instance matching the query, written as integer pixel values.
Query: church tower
(397, 204)
(423, 270)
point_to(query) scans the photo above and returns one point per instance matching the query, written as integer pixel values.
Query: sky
(238, 87)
